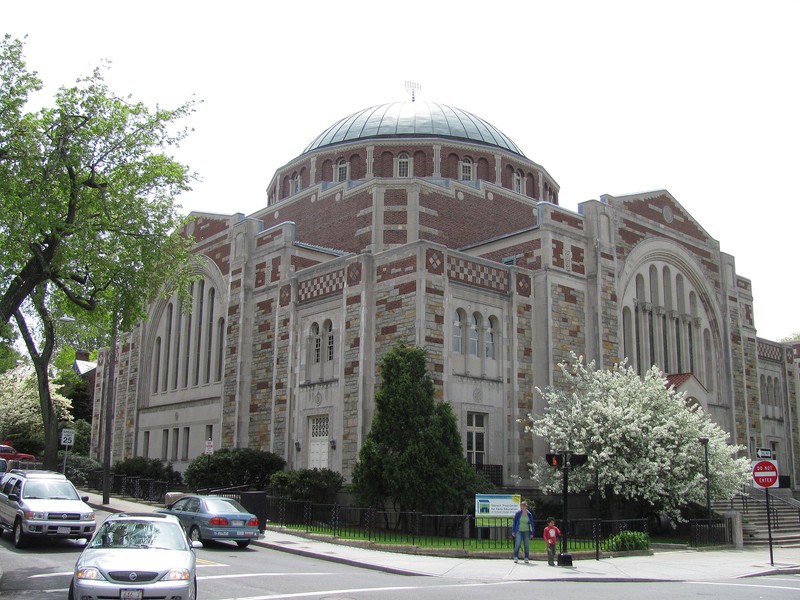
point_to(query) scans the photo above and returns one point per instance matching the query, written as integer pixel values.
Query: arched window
(167, 341)
(328, 329)
(466, 169)
(403, 169)
(474, 332)
(316, 340)
(489, 338)
(209, 335)
(341, 170)
(518, 182)
(220, 348)
(156, 363)
(296, 184)
(199, 330)
(458, 333)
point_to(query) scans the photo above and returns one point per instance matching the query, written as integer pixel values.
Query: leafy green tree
(8, 354)
(233, 467)
(89, 226)
(791, 338)
(413, 456)
(640, 436)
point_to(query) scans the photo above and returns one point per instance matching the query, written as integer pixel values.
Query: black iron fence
(716, 532)
(418, 529)
(140, 488)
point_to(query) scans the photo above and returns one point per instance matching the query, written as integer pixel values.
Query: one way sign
(763, 453)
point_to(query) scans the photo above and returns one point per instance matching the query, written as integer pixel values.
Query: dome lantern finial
(412, 87)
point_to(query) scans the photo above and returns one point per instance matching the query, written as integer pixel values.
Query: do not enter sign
(765, 473)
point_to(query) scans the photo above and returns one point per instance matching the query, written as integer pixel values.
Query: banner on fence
(495, 509)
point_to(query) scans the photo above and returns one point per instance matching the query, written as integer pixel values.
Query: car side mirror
(85, 498)
(196, 544)
(13, 497)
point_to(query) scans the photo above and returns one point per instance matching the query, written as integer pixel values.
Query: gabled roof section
(661, 207)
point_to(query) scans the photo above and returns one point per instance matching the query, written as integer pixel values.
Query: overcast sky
(701, 98)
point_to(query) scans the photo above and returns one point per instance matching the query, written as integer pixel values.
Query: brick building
(420, 222)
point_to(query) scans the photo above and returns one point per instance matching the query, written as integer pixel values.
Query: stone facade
(458, 246)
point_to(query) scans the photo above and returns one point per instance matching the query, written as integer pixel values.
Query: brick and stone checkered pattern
(319, 287)
(473, 273)
(769, 351)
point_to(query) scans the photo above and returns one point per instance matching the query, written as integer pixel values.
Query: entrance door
(318, 444)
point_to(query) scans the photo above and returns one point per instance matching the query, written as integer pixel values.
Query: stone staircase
(784, 520)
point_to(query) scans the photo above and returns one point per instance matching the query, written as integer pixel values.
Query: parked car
(134, 556)
(43, 504)
(215, 518)
(3, 466)
(9, 453)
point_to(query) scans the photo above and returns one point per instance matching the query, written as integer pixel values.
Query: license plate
(63, 530)
(237, 523)
(131, 594)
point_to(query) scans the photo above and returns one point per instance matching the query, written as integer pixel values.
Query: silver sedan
(134, 556)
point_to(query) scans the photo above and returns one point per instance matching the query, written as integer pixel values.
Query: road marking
(235, 575)
(204, 562)
(40, 575)
(747, 585)
(374, 590)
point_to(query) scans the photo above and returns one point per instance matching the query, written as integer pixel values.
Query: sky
(698, 97)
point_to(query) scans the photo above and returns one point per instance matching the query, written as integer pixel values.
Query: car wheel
(194, 534)
(71, 592)
(243, 543)
(20, 537)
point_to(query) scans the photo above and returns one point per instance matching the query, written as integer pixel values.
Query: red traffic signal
(555, 460)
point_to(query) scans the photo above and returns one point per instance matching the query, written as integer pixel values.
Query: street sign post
(208, 452)
(67, 439)
(765, 476)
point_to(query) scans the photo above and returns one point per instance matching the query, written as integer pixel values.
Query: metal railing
(140, 488)
(424, 530)
(716, 532)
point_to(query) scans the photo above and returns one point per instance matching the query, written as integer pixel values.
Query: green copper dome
(406, 119)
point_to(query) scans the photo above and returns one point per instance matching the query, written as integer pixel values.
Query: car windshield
(223, 505)
(139, 534)
(49, 490)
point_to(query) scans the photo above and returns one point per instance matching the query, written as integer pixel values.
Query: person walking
(551, 535)
(521, 530)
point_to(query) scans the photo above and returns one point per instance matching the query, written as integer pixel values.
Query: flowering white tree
(641, 438)
(20, 410)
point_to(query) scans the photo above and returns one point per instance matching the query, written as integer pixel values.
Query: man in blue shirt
(521, 530)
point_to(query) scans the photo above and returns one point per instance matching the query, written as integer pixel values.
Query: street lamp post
(704, 441)
(109, 416)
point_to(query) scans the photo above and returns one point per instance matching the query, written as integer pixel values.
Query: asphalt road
(226, 572)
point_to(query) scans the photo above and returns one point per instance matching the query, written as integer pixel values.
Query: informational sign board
(67, 437)
(765, 473)
(495, 509)
(765, 453)
(209, 447)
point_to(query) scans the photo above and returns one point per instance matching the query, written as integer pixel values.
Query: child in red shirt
(551, 535)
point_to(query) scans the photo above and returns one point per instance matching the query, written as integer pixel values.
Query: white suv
(43, 504)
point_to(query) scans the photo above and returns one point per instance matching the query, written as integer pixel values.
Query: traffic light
(576, 460)
(555, 460)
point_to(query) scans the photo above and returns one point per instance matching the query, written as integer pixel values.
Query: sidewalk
(670, 565)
